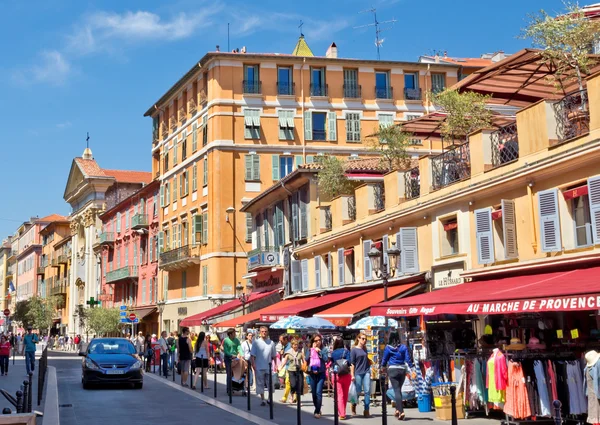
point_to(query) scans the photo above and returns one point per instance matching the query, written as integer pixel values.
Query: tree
(37, 312)
(391, 144)
(103, 321)
(20, 313)
(466, 112)
(565, 41)
(332, 178)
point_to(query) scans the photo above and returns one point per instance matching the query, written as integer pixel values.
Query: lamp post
(161, 308)
(244, 297)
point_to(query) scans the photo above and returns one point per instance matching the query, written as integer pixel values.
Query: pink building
(129, 255)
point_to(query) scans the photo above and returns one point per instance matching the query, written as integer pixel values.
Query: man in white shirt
(262, 352)
(164, 353)
(139, 343)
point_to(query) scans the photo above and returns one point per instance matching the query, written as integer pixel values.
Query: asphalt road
(154, 404)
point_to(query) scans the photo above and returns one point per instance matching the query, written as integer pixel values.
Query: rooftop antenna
(300, 28)
(378, 30)
(227, 37)
(87, 140)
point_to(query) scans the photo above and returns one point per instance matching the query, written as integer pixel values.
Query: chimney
(437, 57)
(243, 49)
(332, 51)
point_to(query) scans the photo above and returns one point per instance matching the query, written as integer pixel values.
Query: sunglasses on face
(363, 338)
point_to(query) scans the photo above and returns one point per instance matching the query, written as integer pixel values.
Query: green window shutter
(197, 229)
(174, 189)
(162, 196)
(255, 167)
(307, 125)
(275, 169)
(175, 143)
(205, 176)
(118, 222)
(332, 126)
(205, 228)
(195, 177)
(194, 137)
(248, 227)
(310, 159)
(248, 166)
(204, 280)
(167, 193)
(298, 159)
(161, 239)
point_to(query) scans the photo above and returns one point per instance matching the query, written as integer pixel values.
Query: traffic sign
(126, 320)
(123, 314)
(123, 307)
(132, 317)
(7, 312)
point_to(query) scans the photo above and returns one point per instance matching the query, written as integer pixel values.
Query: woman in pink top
(4, 355)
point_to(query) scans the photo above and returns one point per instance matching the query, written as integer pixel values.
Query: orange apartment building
(235, 124)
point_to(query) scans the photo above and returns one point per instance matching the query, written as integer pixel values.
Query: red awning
(312, 304)
(558, 291)
(576, 192)
(200, 318)
(342, 314)
(255, 315)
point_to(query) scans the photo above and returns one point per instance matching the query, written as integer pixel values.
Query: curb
(51, 413)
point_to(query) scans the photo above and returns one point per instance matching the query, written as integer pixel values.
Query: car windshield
(111, 346)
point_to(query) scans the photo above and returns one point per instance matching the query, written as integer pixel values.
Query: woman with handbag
(340, 359)
(293, 359)
(361, 371)
(316, 377)
(395, 357)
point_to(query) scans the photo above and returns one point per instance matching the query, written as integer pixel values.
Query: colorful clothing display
(517, 400)
(497, 377)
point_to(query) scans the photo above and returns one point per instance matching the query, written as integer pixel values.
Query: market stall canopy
(522, 79)
(201, 318)
(290, 322)
(315, 323)
(255, 315)
(373, 322)
(430, 125)
(572, 290)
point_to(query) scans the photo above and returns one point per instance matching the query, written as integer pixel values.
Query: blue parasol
(315, 323)
(290, 322)
(373, 322)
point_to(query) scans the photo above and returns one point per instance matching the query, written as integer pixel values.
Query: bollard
(6, 411)
(14, 351)
(249, 386)
(453, 401)
(557, 413)
(299, 389)
(173, 369)
(202, 375)
(215, 384)
(229, 380)
(30, 398)
(19, 401)
(383, 399)
(191, 374)
(336, 414)
(25, 396)
(270, 371)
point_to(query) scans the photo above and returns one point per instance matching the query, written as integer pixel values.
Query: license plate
(115, 372)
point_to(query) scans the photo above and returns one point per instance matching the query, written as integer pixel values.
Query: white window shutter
(410, 250)
(509, 228)
(367, 275)
(549, 221)
(307, 125)
(332, 126)
(162, 196)
(255, 167)
(329, 269)
(248, 166)
(594, 198)
(296, 275)
(341, 266)
(304, 266)
(161, 237)
(399, 246)
(485, 236)
(317, 272)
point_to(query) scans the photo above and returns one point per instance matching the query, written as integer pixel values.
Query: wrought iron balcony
(63, 259)
(384, 93)
(412, 94)
(412, 183)
(165, 131)
(192, 107)
(172, 123)
(58, 287)
(286, 89)
(352, 207)
(41, 270)
(263, 258)
(379, 197)
(127, 272)
(252, 87)
(180, 258)
(54, 262)
(352, 91)
(106, 238)
(505, 145)
(572, 116)
(451, 166)
(139, 221)
(319, 90)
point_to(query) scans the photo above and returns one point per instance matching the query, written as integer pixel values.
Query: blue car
(111, 361)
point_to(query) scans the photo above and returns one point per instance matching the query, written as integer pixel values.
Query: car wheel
(138, 385)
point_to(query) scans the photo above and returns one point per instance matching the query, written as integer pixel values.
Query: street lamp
(244, 297)
(161, 308)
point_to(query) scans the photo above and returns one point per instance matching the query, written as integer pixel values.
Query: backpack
(149, 352)
(343, 365)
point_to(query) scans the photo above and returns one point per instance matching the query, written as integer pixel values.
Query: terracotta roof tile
(126, 176)
(90, 167)
(52, 218)
(353, 165)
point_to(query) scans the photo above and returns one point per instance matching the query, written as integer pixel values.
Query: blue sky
(69, 67)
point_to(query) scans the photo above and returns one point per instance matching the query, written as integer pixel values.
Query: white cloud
(51, 68)
(63, 125)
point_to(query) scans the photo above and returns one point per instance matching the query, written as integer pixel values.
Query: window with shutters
(249, 224)
(367, 269)
(286, 123)
(438, 82)
(184, 146)
(304, 269)
(319, 120)
(184, 233)
(166, 161)
(205, 280)
(327, 270)
(385, 120)
(550, 236)
(143, 291)
(195, 177)
(166, 286)
(582, 223)
(127, 219)
(135, 254)
(318, 261)
(196, 229)
(175, 147)
(194, 137)
(205, 172)
(505, 230)
(349, 277)
(279, 225)
(118, 222)
(204, 130)
(174, 189)
(183, 184)
(286, 165)
(205, 228)
(252, 123)
(353, 127)
(484, 236)
(252, 167)
(449, 233)
(296, 269)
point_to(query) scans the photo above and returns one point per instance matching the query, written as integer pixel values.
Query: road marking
(216, 403)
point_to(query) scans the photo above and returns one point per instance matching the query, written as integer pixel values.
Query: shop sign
(265, 281)
(448, 275)
(272, 317)
(182, 311)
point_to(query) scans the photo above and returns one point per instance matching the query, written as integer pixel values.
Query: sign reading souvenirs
(533, 305)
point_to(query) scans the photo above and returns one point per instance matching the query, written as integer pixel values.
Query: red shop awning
(256, 315)
(306, 306)
(201, 318)
(557, 291)
(576, 192)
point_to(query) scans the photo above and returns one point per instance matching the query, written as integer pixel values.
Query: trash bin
(424, 402)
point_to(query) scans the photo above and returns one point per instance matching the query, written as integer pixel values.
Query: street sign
(7, 312)
(123, 307)
(126, 320)
(123, 314)
(132, 317)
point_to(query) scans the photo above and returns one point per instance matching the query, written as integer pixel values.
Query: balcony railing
(412, 183)
(41, 270)
(139, 221)
(319, 134)
(319, 90)
(172, 123)
(451, 166)
(106, 238)
(180, 258)
(165, 131)
(252, 87)
(57, 288)
(63, 259)
(505, 145)
(192, 107)
(384, 92)
(572, 116)
(352, 207)
(352, 91)
(127, 272)
(379, 197)
(181, 115)
(412, 94)
(263, 258)
(328, 219)
(286, 89)
(155, 135)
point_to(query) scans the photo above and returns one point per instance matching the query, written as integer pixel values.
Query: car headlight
(137, 365)
(89, 364)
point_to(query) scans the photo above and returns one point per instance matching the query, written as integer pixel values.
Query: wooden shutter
(485, 236)
(594, 198)
(194, 137)
(317, 272)
(298, 160)
(118, 222)
(549, 221)
(275, 167)
(332, 126)
(205, 228)
(341, 266)
(296, 276)
(205, 172)
(161, 239)
(410, 250)
(196, 229)
(307, 125)
(367, 275)
(329, 269)
(175, 143)
(248, 124)
(255, 167)
(310, 159)
(249, 224)
(279, 226)
(509, 229)
(304, 265)
(302, 197)
(248, 166)
(385, 242)
(162, 196)
(295, 220)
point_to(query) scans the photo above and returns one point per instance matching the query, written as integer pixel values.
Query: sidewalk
(286, 414)
(14, 381)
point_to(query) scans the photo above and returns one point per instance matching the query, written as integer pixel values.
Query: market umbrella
(315, 323)
(373, 322)
(290, 322)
